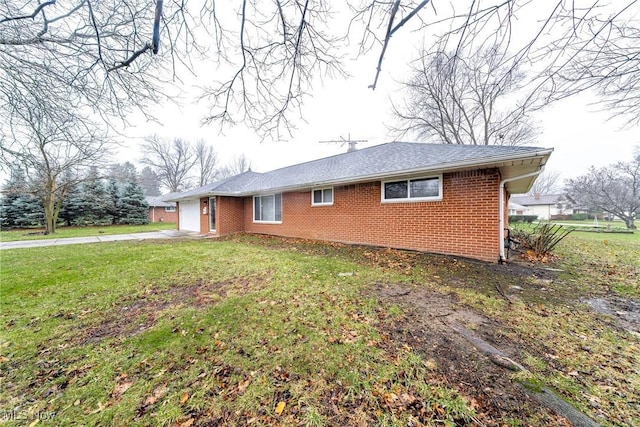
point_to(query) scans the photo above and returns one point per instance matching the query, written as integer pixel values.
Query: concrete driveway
(164, 234)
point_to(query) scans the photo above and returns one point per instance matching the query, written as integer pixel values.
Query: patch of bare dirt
(459, 364)
(140, 312)
(626, 312)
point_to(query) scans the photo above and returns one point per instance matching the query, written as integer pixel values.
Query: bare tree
(172, 160)
(597, 49)
(547, 182)
(459, 98)
(52, 147)
(206, 162)
(614, 189)
(270, 54)
(94, 55)
(280, 48)
(236, 166)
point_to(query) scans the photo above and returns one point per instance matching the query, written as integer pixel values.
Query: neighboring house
(545, 206)
(160, 210)
(449, 199)
(516, 209)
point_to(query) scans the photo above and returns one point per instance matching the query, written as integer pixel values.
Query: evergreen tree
(94, 202)
(113, 200)
(14, 188)
(150, 182)
(72, 205)
(19, 208)
(123, 172)
(29, 210)
(133, 206)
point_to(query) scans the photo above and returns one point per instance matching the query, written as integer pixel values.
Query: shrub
(579, 216)
(522, 218)
(542, 238)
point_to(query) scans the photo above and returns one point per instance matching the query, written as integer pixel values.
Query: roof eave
(497, 161)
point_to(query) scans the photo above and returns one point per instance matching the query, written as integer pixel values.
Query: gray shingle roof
(159, 201)
(543, 199)
(380, 161)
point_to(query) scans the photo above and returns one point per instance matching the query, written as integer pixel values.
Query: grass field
(265, 331)
(62, 232)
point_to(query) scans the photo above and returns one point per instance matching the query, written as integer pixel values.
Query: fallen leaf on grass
(100, 408)
(184, 398)
(157, 395)
(121, 388)
(150, 401)
(188, 423)
(242, 385)
(280, 407)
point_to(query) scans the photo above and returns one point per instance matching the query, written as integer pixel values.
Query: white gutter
(501, 208)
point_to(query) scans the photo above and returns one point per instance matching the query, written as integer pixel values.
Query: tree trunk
(50, 217)
(50, 223)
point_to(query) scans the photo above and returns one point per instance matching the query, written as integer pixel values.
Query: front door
(212, 214)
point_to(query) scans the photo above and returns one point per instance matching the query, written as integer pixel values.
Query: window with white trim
(170, 209)
(267, 208)
(322, 197)
(412, 190)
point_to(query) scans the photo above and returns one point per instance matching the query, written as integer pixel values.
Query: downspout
(502, 258)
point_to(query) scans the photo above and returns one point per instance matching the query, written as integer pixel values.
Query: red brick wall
(158, 214)
(464, 223)
(229, 215)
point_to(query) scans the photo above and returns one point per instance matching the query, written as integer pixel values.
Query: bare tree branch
(173, 161)
(459, 97)
(33, 15)
(207, 160)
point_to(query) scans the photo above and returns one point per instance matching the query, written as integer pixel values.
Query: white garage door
(190, 215)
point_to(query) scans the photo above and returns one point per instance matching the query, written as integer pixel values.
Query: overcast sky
(580, 135)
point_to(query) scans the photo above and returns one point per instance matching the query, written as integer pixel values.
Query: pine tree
(18, 208)
(14, 188)
(72, 204)
(133, 206)
(113, 200)
(29, 210)
(93, 201)
(123, 172)
(149, 181)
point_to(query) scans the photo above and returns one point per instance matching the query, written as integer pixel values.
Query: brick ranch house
(447, 199)
(160, 210)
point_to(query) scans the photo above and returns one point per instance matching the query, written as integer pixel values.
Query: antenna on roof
(352, 142)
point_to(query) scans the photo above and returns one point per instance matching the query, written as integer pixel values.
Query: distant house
(449, 199)
(516, 209)
(160, 210)
(545, 206)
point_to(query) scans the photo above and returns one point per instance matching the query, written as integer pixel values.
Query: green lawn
(262, 331)
(62, 232)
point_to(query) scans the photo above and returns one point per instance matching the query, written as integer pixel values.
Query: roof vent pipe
(502, 258)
